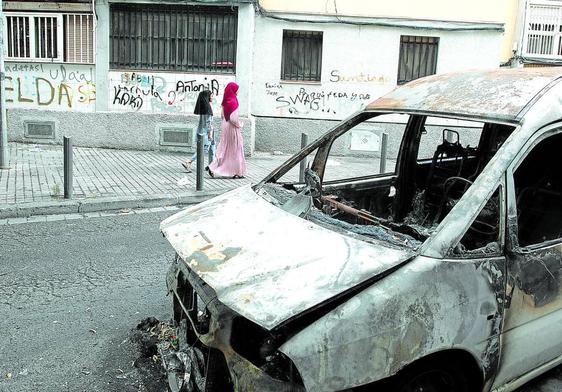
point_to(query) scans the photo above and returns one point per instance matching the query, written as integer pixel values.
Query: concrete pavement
(109, 179)
(106, 179)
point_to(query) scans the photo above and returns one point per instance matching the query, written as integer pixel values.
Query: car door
(532, 336)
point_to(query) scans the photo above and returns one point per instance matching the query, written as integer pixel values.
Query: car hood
(269, 265)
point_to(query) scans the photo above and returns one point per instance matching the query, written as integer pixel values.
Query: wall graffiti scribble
(162, 92)
(339, 93)
(50, 86)
(323, 100)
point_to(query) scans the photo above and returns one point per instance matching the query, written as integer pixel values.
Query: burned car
(441, 272)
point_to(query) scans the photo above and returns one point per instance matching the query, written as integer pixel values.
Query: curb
(103, 204)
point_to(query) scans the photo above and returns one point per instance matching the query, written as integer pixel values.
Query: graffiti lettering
(38, 91)
(65, 90)
(192, 86)
(52, 86)
(125, 98)
(13, 68)
(20, 97)
(306, 102)
(163, 92)
(337, 77)
(273, 85)
(73, 76)
(137, 78)
(86, 93)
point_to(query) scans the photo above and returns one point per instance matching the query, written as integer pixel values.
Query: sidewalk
(106, 179)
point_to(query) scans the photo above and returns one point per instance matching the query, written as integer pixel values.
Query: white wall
(359, 64)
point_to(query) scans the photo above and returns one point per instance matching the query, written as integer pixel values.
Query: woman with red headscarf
(229, 161)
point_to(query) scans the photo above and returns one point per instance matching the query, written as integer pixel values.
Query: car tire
(433, 376)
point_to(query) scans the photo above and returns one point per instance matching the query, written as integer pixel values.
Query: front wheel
(433, 377)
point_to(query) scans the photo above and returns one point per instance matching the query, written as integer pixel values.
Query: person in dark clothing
(205, 111)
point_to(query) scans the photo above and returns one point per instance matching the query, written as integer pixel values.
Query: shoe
(186, 167)
(210, 172)
(236, 176)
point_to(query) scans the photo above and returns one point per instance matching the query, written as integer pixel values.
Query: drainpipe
(95, 22)
(520, 31)
(3, 130)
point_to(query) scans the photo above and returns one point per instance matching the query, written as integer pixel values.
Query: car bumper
(209, 363)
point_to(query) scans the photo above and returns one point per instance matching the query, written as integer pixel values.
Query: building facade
(126, 74)
(538, 38)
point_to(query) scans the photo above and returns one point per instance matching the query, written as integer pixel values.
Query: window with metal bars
(49, 37)
(418, 57)
(174, 38)
(78, 38)
(301, 55)
(543, 35)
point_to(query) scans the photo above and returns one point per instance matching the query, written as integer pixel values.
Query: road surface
(70, 293)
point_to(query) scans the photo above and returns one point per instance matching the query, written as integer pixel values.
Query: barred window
(301, 55)
(79, 38)
(418, 57)
(49, 37)
(175, 38)
(543, 28)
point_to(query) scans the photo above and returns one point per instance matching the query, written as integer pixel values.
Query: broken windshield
(392, 177)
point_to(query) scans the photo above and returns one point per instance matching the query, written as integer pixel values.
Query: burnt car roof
(500, 94)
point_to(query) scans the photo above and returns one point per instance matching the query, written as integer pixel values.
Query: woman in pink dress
(229, 160)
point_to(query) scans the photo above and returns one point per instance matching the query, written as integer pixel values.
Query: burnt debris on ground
(146, 336)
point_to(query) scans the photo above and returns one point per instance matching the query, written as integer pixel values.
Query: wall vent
(39, 129)
(176, 136)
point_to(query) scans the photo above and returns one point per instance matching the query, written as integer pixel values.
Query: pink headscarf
(229, 100)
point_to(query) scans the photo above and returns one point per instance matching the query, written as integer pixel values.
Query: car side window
(482, 237)
(538, 193)
(359, 151)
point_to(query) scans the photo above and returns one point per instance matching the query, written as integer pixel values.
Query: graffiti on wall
(343, 94)
(68, 87)
(337, 76)
(162, 92)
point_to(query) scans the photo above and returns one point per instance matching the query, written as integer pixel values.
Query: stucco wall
(472, 11)
(359, 64)
(113, 129)
(123, 108)
(498, 11)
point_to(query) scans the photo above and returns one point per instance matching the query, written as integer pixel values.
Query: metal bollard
(200, 163)
(67, 152)
(304, 162)
(384, 148)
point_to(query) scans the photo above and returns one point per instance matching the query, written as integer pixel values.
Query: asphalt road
(70, 293)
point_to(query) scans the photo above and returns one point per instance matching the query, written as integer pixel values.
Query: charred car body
(443, 273)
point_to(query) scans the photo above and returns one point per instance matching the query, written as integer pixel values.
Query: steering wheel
(478, 226)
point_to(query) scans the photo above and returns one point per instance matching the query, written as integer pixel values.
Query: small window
(538, 192)
(78, 38)
(174, 38)
(49, 37)
(482, 237)
(418, 57)
(302, 55)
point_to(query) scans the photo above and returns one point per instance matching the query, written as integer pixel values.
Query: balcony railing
(543, 30)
